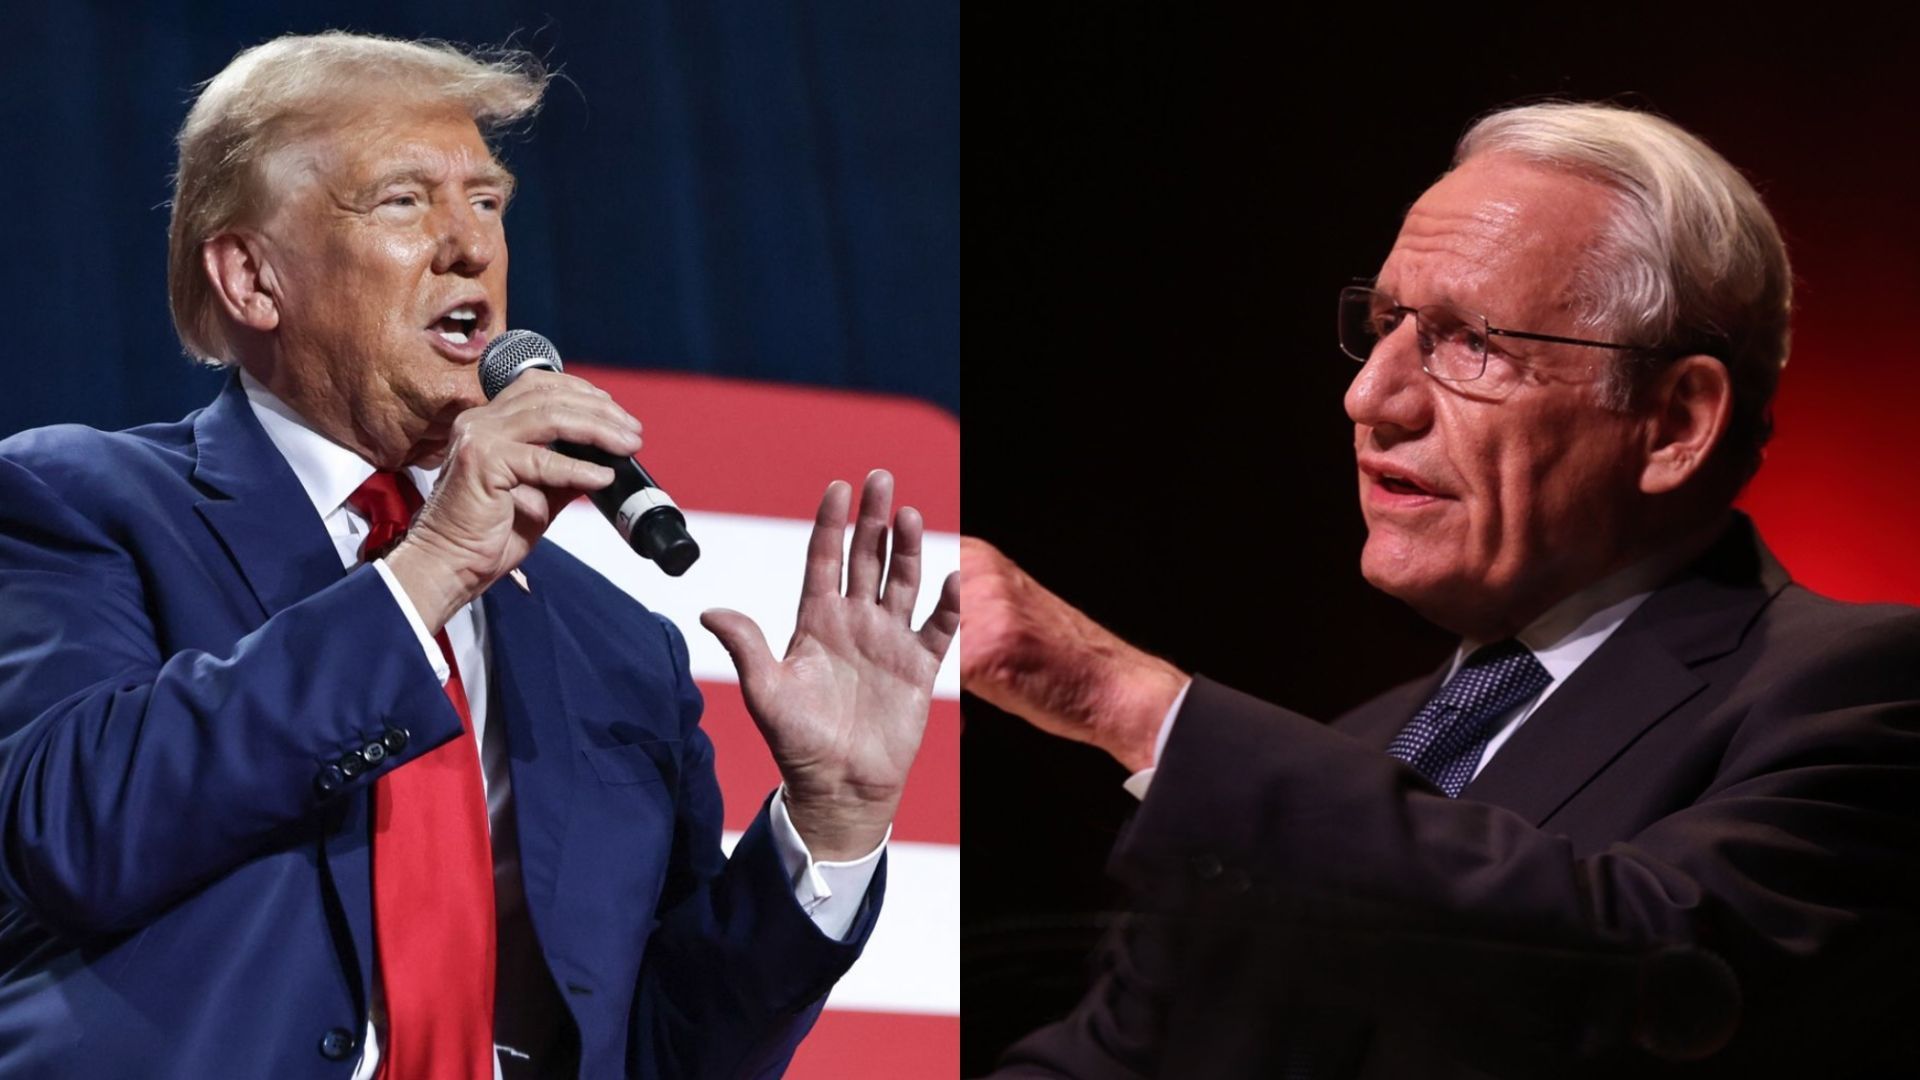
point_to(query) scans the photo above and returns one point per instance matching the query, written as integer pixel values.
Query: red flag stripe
(849, 1045)
(760, 448)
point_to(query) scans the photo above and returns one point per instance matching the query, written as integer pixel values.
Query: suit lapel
(258, 509)
(280, 547)
(1623, 689)
(1638, 678)
(1379, 720)
(529, 702)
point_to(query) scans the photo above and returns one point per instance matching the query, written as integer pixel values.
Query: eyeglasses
(1453, 344)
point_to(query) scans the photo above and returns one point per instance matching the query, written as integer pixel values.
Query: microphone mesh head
(512, 353)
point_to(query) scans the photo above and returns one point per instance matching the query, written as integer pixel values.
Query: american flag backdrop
(748, 462)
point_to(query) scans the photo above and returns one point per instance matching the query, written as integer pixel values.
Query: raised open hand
(844, 711)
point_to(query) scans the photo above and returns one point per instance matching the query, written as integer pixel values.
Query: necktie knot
(1444, 740)
(388, 500)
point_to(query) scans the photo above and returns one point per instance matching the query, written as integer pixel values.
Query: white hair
(274, 94)
(1691, 261)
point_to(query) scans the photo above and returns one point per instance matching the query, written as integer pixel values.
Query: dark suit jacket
(1707, 840)
(184, 862)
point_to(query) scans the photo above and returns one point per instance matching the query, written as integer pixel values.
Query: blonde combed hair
(276, 93)
(1692, 261)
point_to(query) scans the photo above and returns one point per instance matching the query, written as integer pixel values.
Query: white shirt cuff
(829, 892)
(1138, 783)
(427, 645)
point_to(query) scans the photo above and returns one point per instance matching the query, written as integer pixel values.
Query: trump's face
(1487, 501)
(388, 261)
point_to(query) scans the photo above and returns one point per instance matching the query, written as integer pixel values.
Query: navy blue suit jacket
(184, 882)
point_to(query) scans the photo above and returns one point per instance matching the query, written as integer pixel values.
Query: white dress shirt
(1561, 640)
(829, 892)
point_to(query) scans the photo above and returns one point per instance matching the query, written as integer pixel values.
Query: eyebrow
(1446, 299)
(490, 175)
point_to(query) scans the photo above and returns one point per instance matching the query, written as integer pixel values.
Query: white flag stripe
(912, 961)
(748, 563)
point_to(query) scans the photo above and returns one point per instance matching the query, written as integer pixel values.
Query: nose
(468, 242)
(1393, 394)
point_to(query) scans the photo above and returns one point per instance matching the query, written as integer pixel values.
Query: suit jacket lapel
(1639, 677)
(1379, 720)
(258, 508)
(280, 547)
(530, 704)
(1623, 689)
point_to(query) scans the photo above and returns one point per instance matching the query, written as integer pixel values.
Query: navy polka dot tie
(1444, 740)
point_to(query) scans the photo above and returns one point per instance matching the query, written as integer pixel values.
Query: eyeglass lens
(1452, 346)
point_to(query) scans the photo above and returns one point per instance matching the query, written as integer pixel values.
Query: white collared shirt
(829, 892)
(1561, 639)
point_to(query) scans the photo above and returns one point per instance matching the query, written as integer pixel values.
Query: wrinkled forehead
(1501, 236)
(349, 143)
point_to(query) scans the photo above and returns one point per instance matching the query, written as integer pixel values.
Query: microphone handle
(644, 515)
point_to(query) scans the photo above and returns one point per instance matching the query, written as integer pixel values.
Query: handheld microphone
(645, 516)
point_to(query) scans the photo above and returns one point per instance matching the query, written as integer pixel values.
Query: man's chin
(1396, 561)
(1411, 589)
(430, 450)
(1408, 574)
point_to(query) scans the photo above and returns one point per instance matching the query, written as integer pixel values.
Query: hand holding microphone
(645, 516)
(512, 465)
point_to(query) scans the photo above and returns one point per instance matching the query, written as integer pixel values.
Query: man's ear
(1688, 408)
(243, 279)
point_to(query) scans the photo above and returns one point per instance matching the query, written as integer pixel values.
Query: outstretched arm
(1771, 835)
(1032, 654)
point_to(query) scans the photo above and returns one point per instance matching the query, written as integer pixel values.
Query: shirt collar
(327, 471)
(1570, 631)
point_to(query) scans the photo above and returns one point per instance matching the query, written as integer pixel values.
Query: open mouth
(460, 325)
(1400, 485)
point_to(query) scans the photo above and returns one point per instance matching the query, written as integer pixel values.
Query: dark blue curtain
(768, 190)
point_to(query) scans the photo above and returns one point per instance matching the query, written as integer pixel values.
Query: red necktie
(432, 870)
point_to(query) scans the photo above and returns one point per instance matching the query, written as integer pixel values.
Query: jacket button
(352, 764)
(395, 740)
(374, 752)
(335, 1045)
(330, 779)
(1207, 867)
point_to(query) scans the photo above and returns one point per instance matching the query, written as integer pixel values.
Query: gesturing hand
(844, 711)
(1037, 656)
